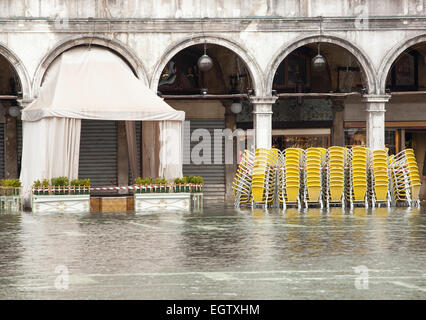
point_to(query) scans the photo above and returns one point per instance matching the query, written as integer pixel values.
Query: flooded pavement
(221, 253)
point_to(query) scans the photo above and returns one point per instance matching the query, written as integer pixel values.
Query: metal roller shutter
(212, 173)
(98, 152)
(2, 150)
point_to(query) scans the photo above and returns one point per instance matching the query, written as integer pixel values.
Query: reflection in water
(217, 253)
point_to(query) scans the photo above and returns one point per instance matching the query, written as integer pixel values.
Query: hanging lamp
(205, 63)
(318, 62)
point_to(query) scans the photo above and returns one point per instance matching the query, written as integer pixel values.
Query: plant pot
(163, 189)
(167, 189)
(182, 188)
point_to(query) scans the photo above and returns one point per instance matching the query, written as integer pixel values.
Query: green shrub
(37, 184)
(45, 183)
(11, 183)
(143, 181)
(60, 182)
(75, 182)
(160, 181)
(80, 182)
(177, 180)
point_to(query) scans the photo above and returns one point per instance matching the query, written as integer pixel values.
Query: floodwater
(221, 253)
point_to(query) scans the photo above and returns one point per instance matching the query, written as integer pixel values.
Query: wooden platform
(111, 204)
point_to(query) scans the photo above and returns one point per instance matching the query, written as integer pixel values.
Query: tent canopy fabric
(90, 83)
(94, 83)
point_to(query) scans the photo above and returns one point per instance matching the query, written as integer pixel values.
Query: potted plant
(184, 182)
(60, 184)
(80, 186)
(11, 187)
(200, 182)
(143, 184)
(177, 182)
(75, 186)
(45, 186)
(139, 182)
(161, 185)
(36, 187)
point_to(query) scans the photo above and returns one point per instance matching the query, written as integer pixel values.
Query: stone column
(262, 120)
(338, 131)
(375, 125)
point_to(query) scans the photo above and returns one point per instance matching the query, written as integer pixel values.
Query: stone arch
(286, 49)
(248, 59)
(20, 70)
(119, 48)
(392, 55)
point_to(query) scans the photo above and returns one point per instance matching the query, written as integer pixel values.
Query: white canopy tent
(91, 83)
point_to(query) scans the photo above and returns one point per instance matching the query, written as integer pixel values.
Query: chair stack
(379, 177)
(243, 179)
(399, 178)
(335, 175)
(405, 177)
(357, 179)
(413, 173)
(263, 183)
(338, 175)
(315, 160)
(291, 177)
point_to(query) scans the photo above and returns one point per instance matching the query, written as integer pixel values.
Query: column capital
(376, 98)
(263, 100)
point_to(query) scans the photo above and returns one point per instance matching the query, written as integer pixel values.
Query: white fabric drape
(50, 148)
(170, 149)
(132, 148)
(90, 84)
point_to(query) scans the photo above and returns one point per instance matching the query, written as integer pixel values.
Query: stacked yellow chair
(405, 176)
(281, 178)
(314, 159)
(336, 174)
(399, 177)
(358, 175)
(263, 183)
(290, 183)
(379, 177)
(243, 179)
(413, 172)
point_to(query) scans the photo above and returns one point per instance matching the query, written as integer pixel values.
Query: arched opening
(10, 123)
(319, 85)
(406, 82)
(104, 155)
(213, 100)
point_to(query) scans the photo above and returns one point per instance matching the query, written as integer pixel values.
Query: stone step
(214, 193)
